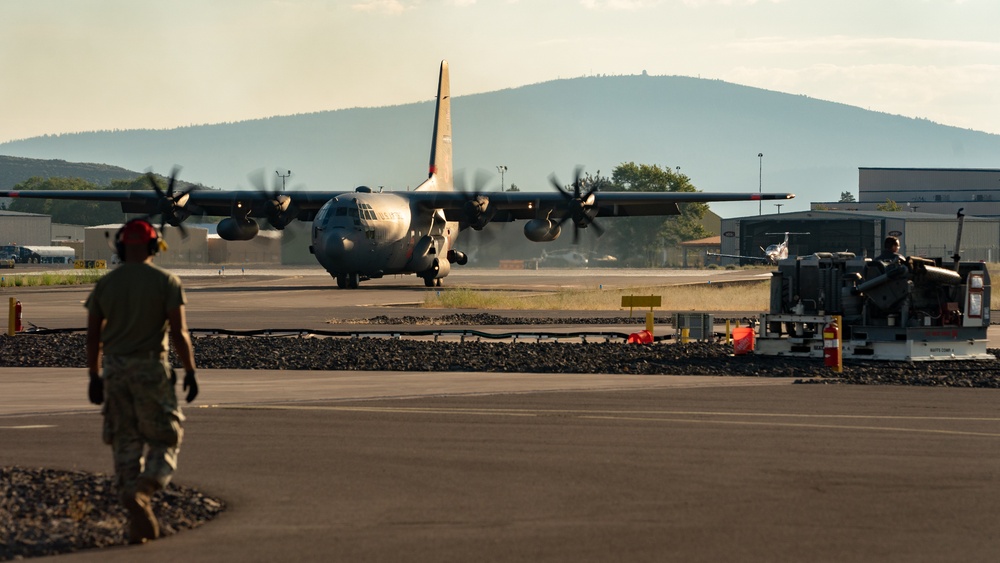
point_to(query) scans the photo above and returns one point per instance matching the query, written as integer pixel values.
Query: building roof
(709, 241)
(5, 213)
(929, 169)
(845, 214)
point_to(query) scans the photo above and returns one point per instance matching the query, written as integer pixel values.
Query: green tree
(889, 205)
(640, 241)
(847, 197)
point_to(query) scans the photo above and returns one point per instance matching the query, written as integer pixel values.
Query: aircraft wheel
(353, 280)
(341, 280)
(429, 281)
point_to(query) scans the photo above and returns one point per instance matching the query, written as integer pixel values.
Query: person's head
(892, 244)
(137, 240)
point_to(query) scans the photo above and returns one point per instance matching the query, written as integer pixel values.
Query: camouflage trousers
(141, 416)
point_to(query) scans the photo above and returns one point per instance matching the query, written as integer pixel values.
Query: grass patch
(48, 278)
(752, 296)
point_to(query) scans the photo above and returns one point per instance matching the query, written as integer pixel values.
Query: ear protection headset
(139, 228)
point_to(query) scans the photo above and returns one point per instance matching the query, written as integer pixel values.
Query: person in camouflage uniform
(130, 312)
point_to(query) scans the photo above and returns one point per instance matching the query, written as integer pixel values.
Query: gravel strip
(48, 512)
(386, 354)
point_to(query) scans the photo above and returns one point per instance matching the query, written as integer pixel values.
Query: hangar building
(25, 229)
(929, 235)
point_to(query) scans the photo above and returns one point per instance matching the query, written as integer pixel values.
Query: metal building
(188, 248)
(928, 235)
(25, 229)
(926, 190)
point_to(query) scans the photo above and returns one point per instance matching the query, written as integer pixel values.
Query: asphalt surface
(398, 466)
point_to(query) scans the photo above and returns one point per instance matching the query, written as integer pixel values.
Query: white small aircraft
(772, 254)
(362, 234)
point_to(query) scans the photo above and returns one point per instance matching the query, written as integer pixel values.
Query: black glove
(95, 391)
(190, 385)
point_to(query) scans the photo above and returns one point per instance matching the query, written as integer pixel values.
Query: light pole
(778, 205)
(501, 169)
(760, 181)
(283, 176)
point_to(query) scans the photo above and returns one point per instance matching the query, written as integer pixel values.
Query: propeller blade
(156, 186)
(559, 187)
(280, 209)
(171, 208)
(578, 204)
(598, 229)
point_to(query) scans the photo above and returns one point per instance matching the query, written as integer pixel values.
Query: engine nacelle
(237, 229)
(457, 257)
(542, 230)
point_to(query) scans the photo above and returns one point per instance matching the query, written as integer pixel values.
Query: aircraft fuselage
(370, 235)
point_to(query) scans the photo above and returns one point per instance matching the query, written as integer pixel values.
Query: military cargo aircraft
(363, 234)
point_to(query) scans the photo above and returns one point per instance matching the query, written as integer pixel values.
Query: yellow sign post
(632, 301)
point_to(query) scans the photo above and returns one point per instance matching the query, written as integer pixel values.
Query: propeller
(279, 209)
(476, 212)
(578, 206)
(173, 208)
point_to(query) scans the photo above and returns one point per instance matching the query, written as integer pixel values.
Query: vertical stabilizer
(440, 176)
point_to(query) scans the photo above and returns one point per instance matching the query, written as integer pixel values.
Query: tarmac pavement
(416, 466)
(513, 467)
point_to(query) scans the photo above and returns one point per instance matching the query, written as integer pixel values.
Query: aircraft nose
(338, 245)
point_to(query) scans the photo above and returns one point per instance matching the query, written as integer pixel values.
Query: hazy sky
(84, 65)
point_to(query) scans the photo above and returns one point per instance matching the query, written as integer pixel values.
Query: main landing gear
(431, 281)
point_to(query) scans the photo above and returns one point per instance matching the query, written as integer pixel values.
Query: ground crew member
(129, 312)
(890, 250)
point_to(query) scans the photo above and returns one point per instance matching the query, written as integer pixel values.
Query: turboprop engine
(232, 228)
(542, 230)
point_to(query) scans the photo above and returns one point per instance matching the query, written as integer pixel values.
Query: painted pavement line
(667, 416)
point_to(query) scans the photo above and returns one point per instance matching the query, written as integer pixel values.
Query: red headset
(138, 229)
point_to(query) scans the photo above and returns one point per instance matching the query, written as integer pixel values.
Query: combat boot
(142, 524)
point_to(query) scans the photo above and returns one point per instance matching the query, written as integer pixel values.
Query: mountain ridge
(713, 130)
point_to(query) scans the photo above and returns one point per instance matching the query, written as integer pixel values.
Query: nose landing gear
(348, 281)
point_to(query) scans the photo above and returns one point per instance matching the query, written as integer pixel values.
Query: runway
(419, 466)
(293, 298)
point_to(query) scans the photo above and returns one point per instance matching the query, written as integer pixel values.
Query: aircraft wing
(511, 206)
(209, 202)
(508, 206)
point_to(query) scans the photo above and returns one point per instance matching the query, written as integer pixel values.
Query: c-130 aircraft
(360, 235)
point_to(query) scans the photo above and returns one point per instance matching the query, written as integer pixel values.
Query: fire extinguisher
(17, 317)
(831, 345)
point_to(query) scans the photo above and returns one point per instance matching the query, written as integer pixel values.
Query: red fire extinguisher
(17, 317)
(831, 346)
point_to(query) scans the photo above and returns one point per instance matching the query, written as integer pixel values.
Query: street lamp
(501, 169)
(760, 181)
(778, 205)
(283, 176)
